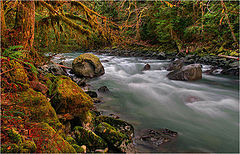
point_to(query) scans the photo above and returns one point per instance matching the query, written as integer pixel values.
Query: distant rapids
(204, 112)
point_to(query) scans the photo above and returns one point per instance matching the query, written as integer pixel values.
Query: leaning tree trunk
(25, 19)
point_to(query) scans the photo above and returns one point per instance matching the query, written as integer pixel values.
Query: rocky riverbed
(225, 65)
(151, 102)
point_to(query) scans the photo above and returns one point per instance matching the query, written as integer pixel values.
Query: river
(205, 113)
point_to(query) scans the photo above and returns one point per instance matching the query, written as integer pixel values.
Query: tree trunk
(25, 22)
(3, 25)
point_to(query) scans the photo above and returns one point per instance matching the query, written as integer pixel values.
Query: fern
(13, 52)
(32, 67)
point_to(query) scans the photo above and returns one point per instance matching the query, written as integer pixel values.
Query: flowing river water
(205, 113)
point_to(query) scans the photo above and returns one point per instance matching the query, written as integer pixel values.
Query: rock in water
(187, 73)
(146, 67)
(175, 65)
(87, 65)
(103, 89)
(155, 138)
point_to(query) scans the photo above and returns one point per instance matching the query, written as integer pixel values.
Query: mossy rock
(14, 136)
(68, 97)
(18, 74)
(87, 65)
(40, 109)
(89, 138)
(71, 140)
(78, 148)
(10, 148)
(52, 141)
(120, 125)
(110, 134)
(28, 147)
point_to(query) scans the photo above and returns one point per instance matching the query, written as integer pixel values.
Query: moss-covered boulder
(116, 140)
(49, 140)
(89, 138)
(68, 97)
(16, 142)
(79, 149)
(38, 107)
(87, 65)
(28, 147)
(120, 125)
(18, 74)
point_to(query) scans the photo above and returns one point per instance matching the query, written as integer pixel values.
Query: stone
(103, 89)
(175, 65)
(146, 67)
(87, 65)
(122, 126)
(89, 138)
(68, 97)
(18, 74)
(155, 138)
(113, 137)
(187, 73)
(92, 94)
(161, 56)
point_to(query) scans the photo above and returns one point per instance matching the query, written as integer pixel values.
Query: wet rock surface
(146, 67)
(187, 73)
(87, 65)
(103, 89)
(155, 138)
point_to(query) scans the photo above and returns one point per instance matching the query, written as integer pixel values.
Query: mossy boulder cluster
(87, 65)
(48, 113)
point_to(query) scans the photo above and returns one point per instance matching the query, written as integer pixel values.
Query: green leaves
(13, 52)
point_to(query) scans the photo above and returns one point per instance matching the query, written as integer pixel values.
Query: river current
(205, 113)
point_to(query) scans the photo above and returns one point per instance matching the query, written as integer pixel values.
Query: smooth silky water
(204, 112)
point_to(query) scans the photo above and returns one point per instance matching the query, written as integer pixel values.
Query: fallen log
(231, 57)
(61, 65)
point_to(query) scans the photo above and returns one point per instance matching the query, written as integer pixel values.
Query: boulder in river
(92, 94)
(155, 138)
(87, 65)
(146, 67)
(175, 65)
(103, 89)
(187, 73)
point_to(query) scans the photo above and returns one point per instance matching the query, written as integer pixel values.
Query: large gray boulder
(187, 73)
(87, 65)
(175, 65)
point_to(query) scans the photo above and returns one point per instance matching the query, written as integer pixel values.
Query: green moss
(40, 109)
(110, 134)
(70, 140)
(69, 97)
(78, 148)
(50, 76)
(87, 56)
(52, 141)
(120, 125)
(88, 138)
(14, 136)
(28, 147)
(10, 148)
(18, 74)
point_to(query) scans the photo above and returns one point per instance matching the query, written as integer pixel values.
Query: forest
(123, 76)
